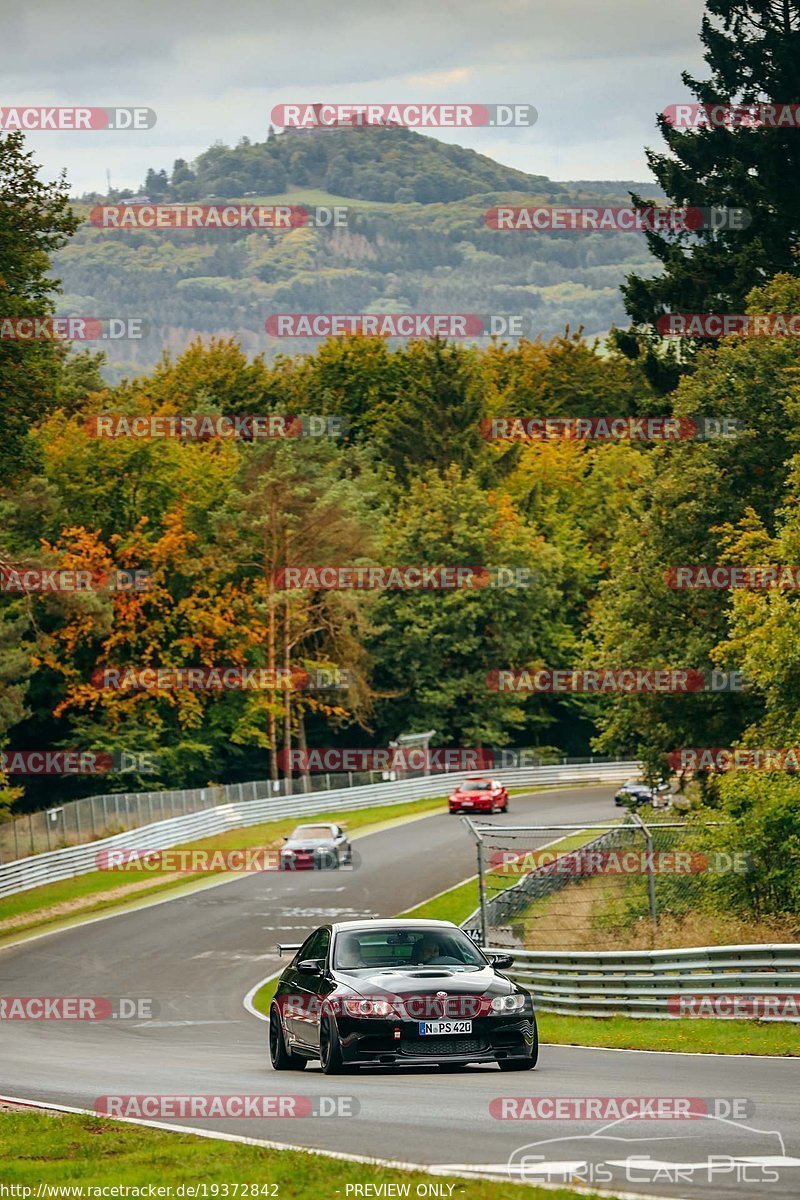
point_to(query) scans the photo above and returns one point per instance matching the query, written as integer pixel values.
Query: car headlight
(508, 1004)
(368, 1008)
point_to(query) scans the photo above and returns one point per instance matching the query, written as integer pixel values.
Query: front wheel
(330, 1048)
(282, 1059)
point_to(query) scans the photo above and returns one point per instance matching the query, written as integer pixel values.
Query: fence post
(47, 827)
(481, 878)
(78, 819)
(16, 846)
(651, 880)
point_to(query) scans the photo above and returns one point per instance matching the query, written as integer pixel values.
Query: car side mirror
(311, 966)
(501, 961)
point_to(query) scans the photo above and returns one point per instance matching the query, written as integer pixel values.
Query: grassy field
(67, 1149)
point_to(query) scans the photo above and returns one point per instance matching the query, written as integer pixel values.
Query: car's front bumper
(372, 1041)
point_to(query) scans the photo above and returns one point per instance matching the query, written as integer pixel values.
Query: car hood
(427, 981)
(472, 795)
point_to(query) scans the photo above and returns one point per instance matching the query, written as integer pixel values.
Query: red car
(478, 794)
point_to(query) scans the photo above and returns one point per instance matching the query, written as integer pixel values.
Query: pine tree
(753, 51)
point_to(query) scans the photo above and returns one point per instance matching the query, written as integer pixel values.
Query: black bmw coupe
(399, 992)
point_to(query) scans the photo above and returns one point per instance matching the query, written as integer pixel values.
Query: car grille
(439, 1047)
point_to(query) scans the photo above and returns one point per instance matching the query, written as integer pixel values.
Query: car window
(393, 949)
(316, 946)
(313, 831)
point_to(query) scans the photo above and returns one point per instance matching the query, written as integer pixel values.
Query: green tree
(753, 51)
(35, 220)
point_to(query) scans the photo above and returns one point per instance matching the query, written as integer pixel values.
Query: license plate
(467, 803)
(433, 1027)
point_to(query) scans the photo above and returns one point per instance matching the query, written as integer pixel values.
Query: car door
(312, 990)
(289, 996)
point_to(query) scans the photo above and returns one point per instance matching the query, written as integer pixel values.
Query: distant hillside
(416, 241)
(396, 165)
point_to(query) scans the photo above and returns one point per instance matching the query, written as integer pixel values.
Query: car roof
(390, 923)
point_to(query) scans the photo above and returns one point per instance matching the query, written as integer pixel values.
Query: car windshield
(401, 949)
(313, 833)
(480, 785)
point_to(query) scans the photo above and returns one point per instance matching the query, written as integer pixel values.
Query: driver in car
(431, 950)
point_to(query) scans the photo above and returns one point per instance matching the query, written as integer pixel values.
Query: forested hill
(395, 165)
(416, 240)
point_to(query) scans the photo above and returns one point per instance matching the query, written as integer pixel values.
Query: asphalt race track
(196, 956)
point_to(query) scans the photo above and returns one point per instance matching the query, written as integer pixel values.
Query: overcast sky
(213, 69)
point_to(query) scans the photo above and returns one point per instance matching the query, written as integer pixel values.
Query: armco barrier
(640, 983)
(25, 873)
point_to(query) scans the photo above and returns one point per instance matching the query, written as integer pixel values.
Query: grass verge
(67, 1149)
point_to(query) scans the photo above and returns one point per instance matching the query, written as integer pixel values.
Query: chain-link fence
(593, 887)
(86, 820)
(94, 817)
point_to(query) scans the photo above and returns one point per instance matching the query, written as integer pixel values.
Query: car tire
(282, 1059)
(330, 1048)
(530, 1060)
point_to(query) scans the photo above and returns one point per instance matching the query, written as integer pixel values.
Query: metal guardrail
(650, 983)
(50, 867)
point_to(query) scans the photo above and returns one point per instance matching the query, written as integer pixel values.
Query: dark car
(478, 794)
(401, 993)
(638, 791)
(633, 793)
(316, 847)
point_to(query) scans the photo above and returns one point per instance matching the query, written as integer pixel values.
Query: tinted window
(396, 948)
(315, 946)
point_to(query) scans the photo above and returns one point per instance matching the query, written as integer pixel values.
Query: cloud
(596, 74)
